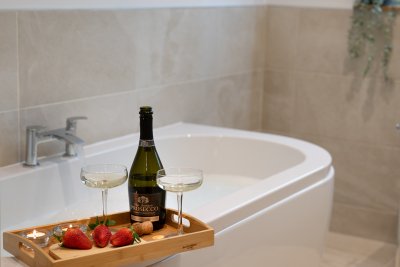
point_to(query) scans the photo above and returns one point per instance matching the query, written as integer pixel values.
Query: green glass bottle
(146, 198)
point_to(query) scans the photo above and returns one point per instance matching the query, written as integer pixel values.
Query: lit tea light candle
(39, 237)
(35, 234)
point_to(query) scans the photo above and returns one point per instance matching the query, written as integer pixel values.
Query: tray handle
(17, 245)
(174, 219)
(190, 223)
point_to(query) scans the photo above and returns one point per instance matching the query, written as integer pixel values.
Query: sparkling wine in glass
(104, 176)
(179, 180)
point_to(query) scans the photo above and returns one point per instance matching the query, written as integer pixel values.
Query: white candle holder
(39, 237)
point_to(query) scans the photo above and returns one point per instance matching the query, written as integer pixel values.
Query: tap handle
(72, 121)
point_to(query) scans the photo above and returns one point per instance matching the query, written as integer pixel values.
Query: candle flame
(70, 225)
(34, 234)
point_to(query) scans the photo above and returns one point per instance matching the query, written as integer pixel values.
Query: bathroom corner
(351, 116)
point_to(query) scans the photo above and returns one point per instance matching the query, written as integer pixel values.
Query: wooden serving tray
(153, 246)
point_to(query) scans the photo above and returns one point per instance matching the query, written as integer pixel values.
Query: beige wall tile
(221, 101)
(172, 45)
(8, 61)
(8, 137)
(239, 101)
(278, 102)
(322, 107)
(322, 40)
(394, 65)
(66, 55)
(231, 101)
(370, 224)
(240, 40)
(189, 46)
(366, 187)
(346, 108)
(366, 176)
(281, 39)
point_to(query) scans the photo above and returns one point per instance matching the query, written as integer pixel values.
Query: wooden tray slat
(197, 235)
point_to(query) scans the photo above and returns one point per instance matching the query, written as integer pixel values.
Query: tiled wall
(312, 93)
(198, 65)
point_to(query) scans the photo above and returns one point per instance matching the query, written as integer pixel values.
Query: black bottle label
(145, 207)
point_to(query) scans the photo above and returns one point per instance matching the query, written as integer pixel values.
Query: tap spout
(63, 135)
(72, 142)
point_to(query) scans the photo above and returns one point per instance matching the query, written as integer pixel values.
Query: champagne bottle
(146, 199)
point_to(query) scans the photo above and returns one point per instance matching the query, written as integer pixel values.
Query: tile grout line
(155, 87)
(19, 154)
(8, 111)
(292, 81)
(264, 81)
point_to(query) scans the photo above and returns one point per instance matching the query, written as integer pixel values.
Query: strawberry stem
(107, 222)
(135, 235)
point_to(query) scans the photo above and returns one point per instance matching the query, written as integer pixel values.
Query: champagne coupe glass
(104, 176)
(179, 180)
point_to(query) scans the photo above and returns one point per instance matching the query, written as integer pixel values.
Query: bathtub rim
(176, 130)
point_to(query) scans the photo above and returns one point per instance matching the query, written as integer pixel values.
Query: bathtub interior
(53, 192)
(229, 155)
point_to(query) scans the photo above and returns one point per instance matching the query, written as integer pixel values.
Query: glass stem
(104, 193)
(179, 196)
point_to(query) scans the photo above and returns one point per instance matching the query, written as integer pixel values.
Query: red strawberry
(124, 236)
(101, 235)
(75, 238)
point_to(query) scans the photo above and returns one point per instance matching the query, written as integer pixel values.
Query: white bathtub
(268, 197)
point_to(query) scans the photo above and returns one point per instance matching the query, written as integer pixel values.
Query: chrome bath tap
(36, 135)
